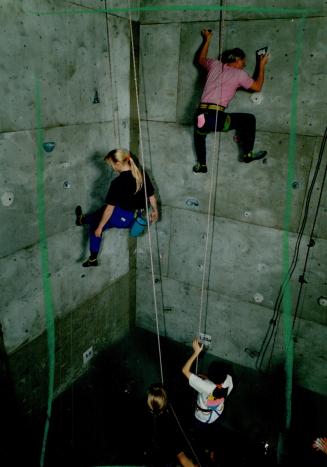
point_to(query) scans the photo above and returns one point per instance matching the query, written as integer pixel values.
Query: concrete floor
(100, 420)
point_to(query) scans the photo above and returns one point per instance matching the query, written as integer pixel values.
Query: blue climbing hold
(49, 146)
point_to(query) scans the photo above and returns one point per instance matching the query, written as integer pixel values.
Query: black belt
(204, 410)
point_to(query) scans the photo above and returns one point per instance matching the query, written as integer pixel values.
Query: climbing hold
(192, 202)
(258, 298)
(66, 184)
(96, 99)
(302, 279)
(7, 198)
(205, 339)
(256, 98)
(49, 146)
(251, 352)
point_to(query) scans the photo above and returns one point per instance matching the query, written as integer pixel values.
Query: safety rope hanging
(145, 189)
(214, 176)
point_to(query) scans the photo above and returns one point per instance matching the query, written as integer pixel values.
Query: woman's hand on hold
(153, 216)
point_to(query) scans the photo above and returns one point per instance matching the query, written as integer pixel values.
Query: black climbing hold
(302, 279)
(96, 99)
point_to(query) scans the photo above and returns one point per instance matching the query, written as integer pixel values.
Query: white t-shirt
(213, 407)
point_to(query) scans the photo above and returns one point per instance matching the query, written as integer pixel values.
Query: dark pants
(243, 123)
(120, 218)
(206, 433)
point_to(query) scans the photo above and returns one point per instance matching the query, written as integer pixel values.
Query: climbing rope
(213, 187)
(149, 233)
(145, 189)
(185, 436)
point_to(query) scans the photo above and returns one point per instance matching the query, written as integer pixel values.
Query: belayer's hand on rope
(197, 347)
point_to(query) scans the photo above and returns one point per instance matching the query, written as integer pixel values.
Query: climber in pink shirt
(224, 78)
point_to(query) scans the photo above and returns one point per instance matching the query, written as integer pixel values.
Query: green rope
(184, 8)
(47, 293)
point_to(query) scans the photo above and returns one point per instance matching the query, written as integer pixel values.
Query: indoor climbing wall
(66, 97)
(221, 274)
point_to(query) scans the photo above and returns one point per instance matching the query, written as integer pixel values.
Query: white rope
(145, 190)
(149, 233)
(214, 175)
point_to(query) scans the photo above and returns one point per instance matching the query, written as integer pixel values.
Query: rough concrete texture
(22, 300)
(167, 11)
(69, 53)
(98, 321)
(245, 263)
(280, 71)
(233, 185)
(74, 51)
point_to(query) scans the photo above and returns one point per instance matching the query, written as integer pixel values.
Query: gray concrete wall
(245, 261)
(73, 51)
(70, 52)
(99, 321)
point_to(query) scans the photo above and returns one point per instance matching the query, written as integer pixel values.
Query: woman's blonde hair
(124, 156)
(157, 398)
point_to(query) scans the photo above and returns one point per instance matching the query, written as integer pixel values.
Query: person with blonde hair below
(126, 195)
(166, 441)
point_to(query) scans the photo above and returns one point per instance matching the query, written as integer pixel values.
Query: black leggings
(243, 123)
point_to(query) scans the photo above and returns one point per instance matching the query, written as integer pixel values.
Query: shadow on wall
(14, 444)
(100, 186)
(97, 194)
(187, 117)
(101, 419)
